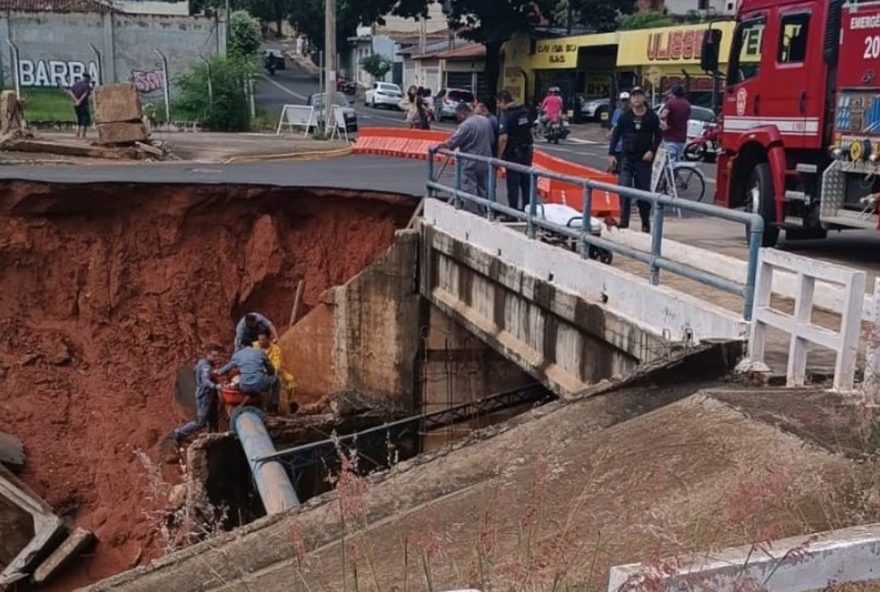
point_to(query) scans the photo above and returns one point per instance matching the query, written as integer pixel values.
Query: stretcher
(563, 215)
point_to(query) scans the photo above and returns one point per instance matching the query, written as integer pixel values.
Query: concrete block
(121, 133)
(11, 450)
(75, 543)
(117, 102)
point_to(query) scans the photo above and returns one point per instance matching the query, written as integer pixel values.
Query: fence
(583, 235)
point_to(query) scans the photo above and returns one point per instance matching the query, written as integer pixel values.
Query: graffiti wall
(57, 49)
(54, 73)
(147, 82)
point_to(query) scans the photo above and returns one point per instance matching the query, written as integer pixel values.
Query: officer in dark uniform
(515, 144)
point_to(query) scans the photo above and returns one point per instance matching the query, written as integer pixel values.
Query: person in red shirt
(674, 122)
(552, 105)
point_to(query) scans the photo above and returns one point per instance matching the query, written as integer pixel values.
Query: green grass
(48, 104)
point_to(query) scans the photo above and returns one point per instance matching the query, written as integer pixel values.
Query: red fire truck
(801, 115)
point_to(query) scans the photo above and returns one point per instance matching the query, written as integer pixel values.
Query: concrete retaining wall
(54, 47)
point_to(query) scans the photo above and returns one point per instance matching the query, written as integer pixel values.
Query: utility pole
(330, 64)
(570, 16)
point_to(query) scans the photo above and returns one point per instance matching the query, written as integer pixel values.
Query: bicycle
(688, 181)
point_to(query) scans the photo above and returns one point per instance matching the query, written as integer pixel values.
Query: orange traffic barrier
(605, 204)
(414, 143)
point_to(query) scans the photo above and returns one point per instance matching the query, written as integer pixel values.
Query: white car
(384, 94)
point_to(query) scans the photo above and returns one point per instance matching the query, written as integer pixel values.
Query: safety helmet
(555, 90)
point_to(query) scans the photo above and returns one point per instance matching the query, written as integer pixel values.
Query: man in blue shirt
(206, 397)
(622, 106)
(256, 374)
(249, 328)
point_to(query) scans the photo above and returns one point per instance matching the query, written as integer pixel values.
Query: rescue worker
(256, 375)
(639, 128)
(516, 145)
(273, 352)
(249, 328)
(206, 397)
(473, 136)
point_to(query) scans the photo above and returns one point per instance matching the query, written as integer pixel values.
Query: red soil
(106, 290)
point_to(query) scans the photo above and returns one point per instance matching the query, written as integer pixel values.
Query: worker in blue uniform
(249, 328)
(206, 397)
(256, 375)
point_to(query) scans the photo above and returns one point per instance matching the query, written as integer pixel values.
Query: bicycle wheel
(689, 183)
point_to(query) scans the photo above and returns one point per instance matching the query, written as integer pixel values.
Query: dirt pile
(107, 290)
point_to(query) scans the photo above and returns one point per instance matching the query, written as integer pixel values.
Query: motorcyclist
(270, 63)
(552, 105)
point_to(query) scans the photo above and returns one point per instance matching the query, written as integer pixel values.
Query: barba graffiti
(54, 73)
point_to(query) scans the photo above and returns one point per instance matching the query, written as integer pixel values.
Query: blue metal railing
(659, 202)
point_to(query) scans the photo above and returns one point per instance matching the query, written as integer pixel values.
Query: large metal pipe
(273, 484)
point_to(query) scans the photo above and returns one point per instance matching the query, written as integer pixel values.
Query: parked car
(592, 109)
(276, 57)
(448, 99)
(700, 116)
(351, 120)
(384, 94)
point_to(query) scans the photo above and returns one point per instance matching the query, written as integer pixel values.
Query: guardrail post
(756, 235)
(533, 203)
(586, 220)
(432, 153)
(656, 242)
(456, 198)
(492, 191)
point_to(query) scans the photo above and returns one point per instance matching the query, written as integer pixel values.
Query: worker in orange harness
(273, 352)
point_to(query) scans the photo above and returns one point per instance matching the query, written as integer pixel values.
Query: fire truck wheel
(759, 199)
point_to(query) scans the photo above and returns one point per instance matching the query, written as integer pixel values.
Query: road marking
(284, 88)
(579, 141)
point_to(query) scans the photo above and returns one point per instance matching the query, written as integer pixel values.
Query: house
(389, 39)
(461, 66)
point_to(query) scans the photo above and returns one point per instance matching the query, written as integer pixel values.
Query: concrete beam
(76, 542)
(658, 309)
(47, 526)
(797, 564)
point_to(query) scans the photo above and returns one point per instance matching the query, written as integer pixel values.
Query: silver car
(448, 99)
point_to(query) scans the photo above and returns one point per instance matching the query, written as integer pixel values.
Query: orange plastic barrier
(413, 143)
(605, 203)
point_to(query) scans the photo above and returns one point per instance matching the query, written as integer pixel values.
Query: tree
(603, 15)
(244, 35)
(493, 23)
(645, 20)
(376, 65)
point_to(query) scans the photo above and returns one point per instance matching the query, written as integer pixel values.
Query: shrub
(645, 20)
(227, 107)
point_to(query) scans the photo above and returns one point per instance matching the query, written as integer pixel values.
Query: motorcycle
(551, 131)
(346, 86)
(271, 66)
(704, 148)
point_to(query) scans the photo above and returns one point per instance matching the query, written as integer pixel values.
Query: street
(586, 145)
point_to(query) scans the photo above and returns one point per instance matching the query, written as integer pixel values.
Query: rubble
(75, 543)
(11, 450)
(122, 132)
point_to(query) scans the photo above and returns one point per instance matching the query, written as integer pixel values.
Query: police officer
(516, 145)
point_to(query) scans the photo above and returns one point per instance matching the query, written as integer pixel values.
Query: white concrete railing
(872, 355)
(829, 297)
(797, 564)
(844, 343)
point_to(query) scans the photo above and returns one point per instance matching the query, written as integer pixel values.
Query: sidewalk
(204, 147)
